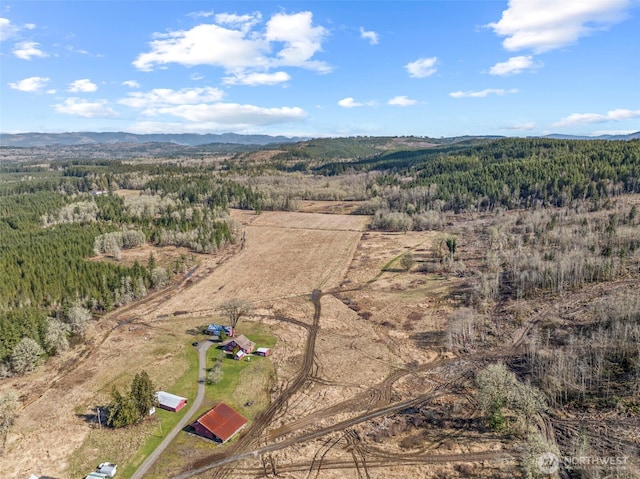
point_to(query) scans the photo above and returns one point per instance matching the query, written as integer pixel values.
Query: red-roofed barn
(219, 424)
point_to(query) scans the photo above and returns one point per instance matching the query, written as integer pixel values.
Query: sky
(321, 68)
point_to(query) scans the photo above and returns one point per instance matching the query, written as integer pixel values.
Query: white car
(108, 469)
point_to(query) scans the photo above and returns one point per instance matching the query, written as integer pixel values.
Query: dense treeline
(514, 173)
(510, 173)
(17, 324)
(40, 266)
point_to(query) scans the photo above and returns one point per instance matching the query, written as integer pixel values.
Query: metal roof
(222, 421)
(169, 400)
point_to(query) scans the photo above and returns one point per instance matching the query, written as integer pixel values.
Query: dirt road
(202, 372)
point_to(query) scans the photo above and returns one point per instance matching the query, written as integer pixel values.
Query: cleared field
(286, 254)
(294, 220)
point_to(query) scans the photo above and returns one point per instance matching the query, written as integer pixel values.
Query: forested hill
(511, 172)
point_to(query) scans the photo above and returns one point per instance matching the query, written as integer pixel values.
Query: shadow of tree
(429, 339)
(93, 418)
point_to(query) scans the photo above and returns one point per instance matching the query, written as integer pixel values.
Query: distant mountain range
(184, 139)
(194, 139)
(630, 136)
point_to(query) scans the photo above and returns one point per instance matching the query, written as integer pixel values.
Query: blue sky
(323, 68)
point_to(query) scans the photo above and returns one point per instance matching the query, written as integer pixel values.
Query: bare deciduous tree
(8, 406)
(234, 309)
(463, 329)
(56, 337)
(77, 317)
(159, 277)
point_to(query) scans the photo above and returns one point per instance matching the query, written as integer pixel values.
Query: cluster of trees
(43, 268)
(80, 212)
(131, 408)
(27, 335)
(507, 173)
(591, 362)
(507, 402)
(113, 243)
(556, 250)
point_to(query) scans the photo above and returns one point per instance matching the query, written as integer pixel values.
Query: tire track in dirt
(403, 460)
(221, 462)
(253, 433)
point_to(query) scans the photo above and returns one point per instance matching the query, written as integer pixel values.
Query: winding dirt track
(253, 433)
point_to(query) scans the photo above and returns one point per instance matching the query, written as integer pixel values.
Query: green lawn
(241, 382)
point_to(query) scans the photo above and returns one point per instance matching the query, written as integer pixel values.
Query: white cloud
(162, 97)
(588, 118)
(348, 103)
(302, 40)
(205, 127)
(482, 93)
(82, 86)
(514, 66)
(241, 22)
(131, 84)
(202, 106)
(233, 114)
(237, 47)
(72, 49)
(196, 76)
(422, 67)
(256, 78)
(351, 103)
(201, 14)
(612, 132)
(521, 126)
(31, 84)
(401, 101)
(543, 25)
(85, 108)
(373, 37)
(7, 29)
(204, 45)
(28, 50)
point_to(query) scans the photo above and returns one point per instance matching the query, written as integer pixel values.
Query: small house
(239, 354)
(216, 330)
(241, 342)
(170, 402)
(219, 424)
(263, 351)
